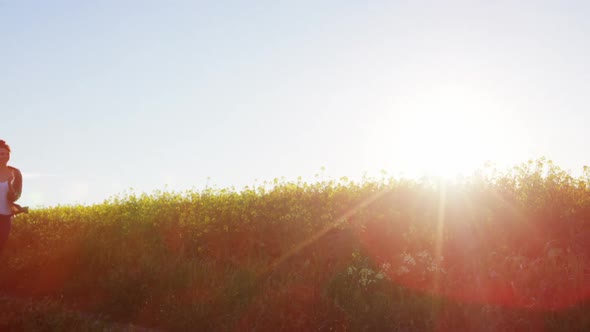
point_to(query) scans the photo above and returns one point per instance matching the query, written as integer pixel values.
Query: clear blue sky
(101, 96)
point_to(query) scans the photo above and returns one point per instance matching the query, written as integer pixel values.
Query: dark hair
(3, 145)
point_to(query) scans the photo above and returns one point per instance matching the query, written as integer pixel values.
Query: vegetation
(493, 251)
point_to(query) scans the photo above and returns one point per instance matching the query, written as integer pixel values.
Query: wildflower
(423, 254)
(351, 270)
(366, 272)
(402, 270)
(408, 259)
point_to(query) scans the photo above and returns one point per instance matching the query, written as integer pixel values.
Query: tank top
(4, 205)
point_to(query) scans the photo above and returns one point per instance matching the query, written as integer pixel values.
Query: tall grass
(494, 251)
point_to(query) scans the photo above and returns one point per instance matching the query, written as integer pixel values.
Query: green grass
(496, 251)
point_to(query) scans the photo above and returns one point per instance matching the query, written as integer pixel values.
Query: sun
(445, 134)
(443, 145)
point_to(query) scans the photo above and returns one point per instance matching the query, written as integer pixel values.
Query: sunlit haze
(101, 97)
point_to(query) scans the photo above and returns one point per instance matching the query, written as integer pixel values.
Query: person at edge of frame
(11, 182)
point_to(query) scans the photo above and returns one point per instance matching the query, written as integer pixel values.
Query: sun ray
(318, 235)
(439, 235)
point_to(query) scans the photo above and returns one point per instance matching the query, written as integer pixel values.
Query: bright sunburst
(443, 144)
(444, 133)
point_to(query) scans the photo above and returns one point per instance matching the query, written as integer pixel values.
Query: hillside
(497, 251)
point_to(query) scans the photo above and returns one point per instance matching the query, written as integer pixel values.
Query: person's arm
(16, 185)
